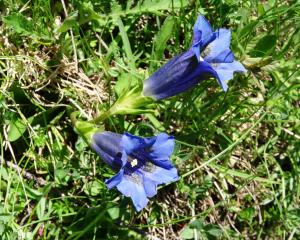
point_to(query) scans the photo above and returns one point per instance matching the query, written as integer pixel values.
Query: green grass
(238, 153)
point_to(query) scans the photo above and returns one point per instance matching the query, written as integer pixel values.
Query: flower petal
(115, 180)
(107, 146)
(222, 57)
(225, 72)
(114, 162)
(161, 150)
(179, 74)
(131, 142)
(109, 142)
(167, 75)
(218, 50)
(193, 75)
(135, 191)
(149, 186)
(162, 175)
(203, 32)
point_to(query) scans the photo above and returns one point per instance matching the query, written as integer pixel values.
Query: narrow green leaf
(157, 124)
(87, 13)
(126, 43)
(156, 6)
(164, 34)
(265, 45)
(17, 128)
(260, 9)
(69, 22)
(240, 174)
(40, 208)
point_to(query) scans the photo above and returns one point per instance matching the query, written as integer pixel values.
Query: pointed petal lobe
(131, 142)
(218, 50)
(202, 26)
(162, 175)
(135, 191)
(115, 180)
(161, 150)
(225, 72)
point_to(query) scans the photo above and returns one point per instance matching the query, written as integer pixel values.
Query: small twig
(72, 37)
(25, 7)
(292, 234)
(192, 207)
(23, 172)
(164, 228)
(7, 143)
(291, 133)
(232, 225)
(82, 112)
(260, 219)
(102, 42)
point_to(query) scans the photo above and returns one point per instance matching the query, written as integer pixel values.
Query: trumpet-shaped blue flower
(209, 56)
(142, 163)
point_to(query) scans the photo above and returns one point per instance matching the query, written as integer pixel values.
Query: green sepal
(84, 128)
(131, 102)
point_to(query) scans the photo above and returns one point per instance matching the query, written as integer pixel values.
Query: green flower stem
(132, 102)
(102, 116)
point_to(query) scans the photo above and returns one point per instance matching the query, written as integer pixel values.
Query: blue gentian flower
(142, 163)
(209, 56)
